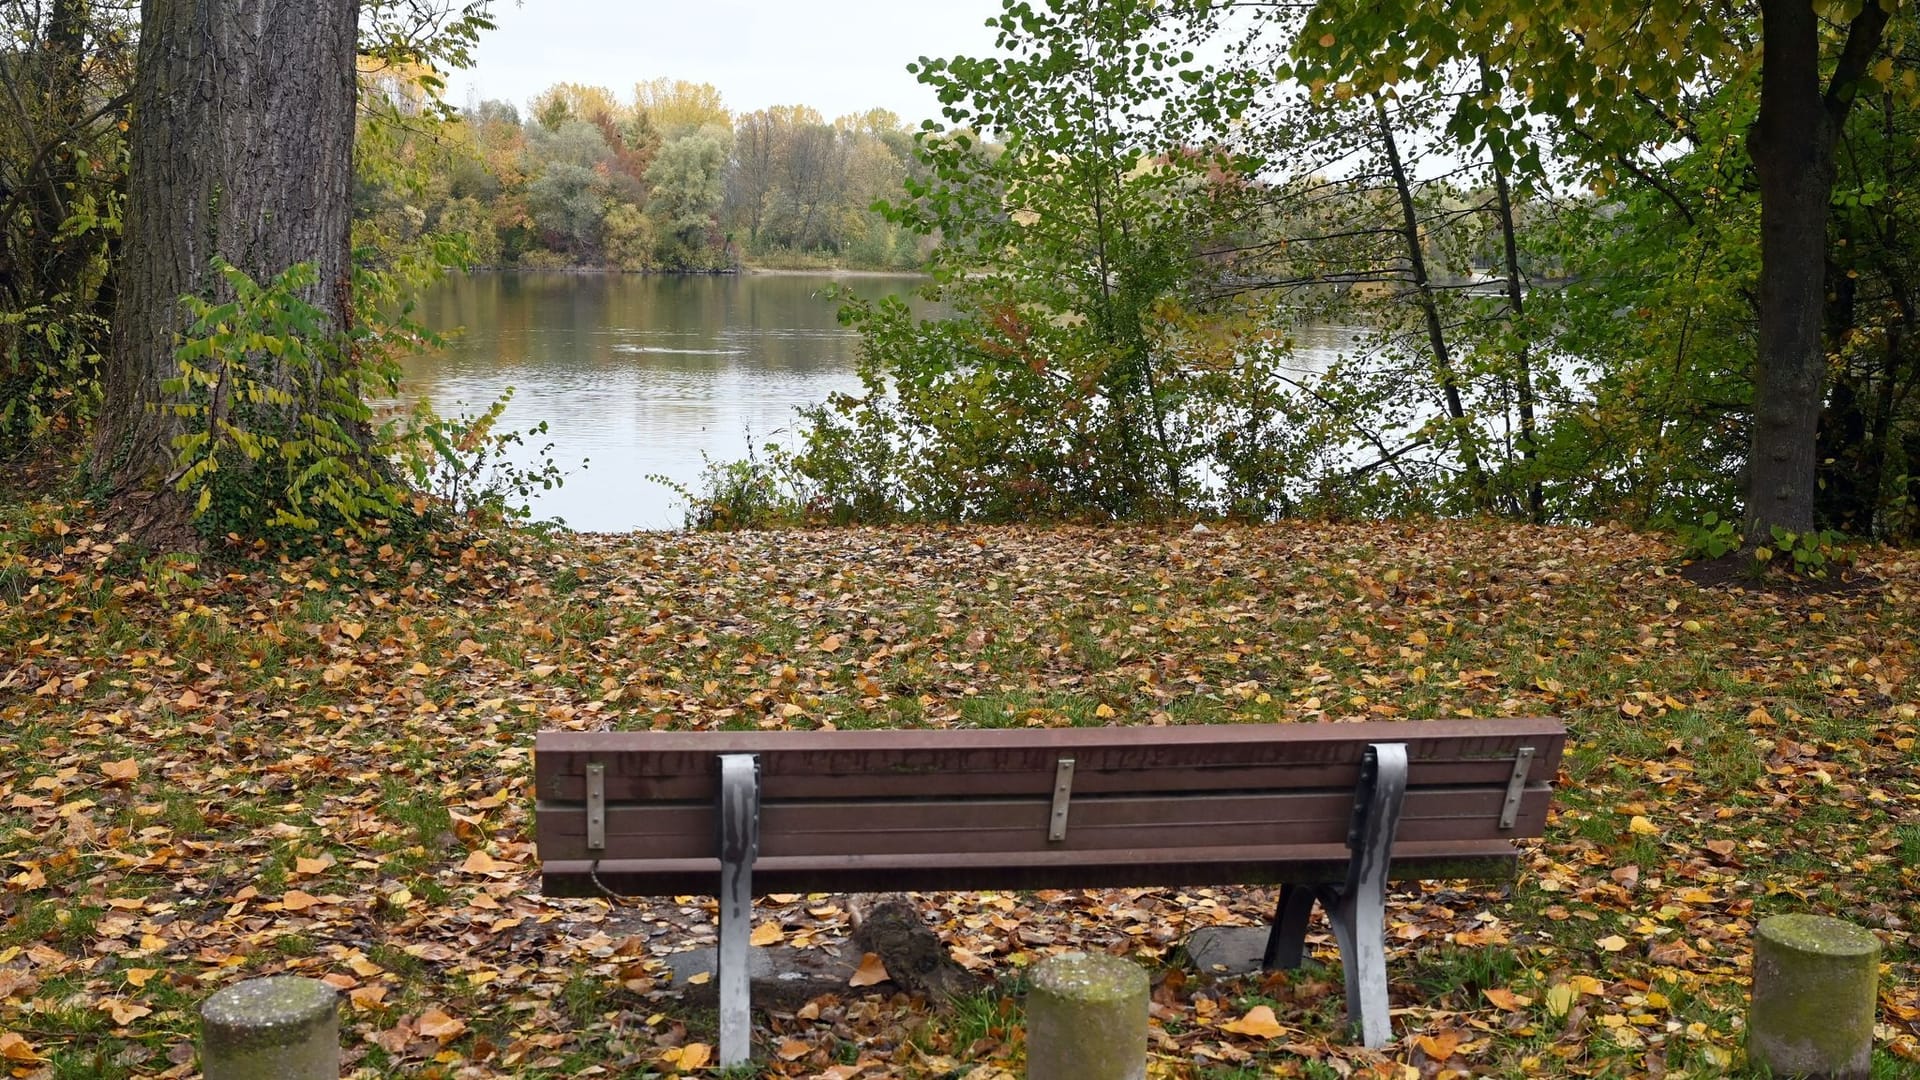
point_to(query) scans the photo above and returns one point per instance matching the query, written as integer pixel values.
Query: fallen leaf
(295, 900)
(1560, 999)
(1438, 1047)
(1507, 999)
(871, 971)
(1612, 943)
(123, 1012)
(121, 772)
(479, 862)
(435, 1024)
(14, 1047)
(1259, 1022)
(694, 1056)
(767, 934)
(1643, 826)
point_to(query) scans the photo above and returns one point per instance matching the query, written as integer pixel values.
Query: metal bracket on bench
(1062, 800)
(1516, 787)
(596, 807)
(739, 846)
(1358, 909)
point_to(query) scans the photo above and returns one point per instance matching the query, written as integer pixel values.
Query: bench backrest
(1053, 807)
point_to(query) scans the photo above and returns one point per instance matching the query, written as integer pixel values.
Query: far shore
(751, 271)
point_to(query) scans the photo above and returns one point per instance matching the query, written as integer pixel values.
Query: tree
(1602, 68)
(242, 150)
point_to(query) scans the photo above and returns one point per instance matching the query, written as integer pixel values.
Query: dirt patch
(1736, 571)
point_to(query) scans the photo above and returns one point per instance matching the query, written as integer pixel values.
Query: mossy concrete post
(1814, 988)
(1087, 1019)
(279, 1028)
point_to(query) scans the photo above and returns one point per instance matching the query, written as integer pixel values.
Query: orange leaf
(1259, 1022)
(367, 997)
(1439, 1047)
(871, 971)
(310, 867)
(694, 1056)
(792, 1050)
(295, 900)
(435, 1024)
(123, 1012)
(1507, 999)
(479, 862)
(767, 934)
(121, 772)
(15, 1048)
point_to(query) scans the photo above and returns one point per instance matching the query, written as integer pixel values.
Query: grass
(276, 710)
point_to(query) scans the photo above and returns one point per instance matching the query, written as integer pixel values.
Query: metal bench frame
(1355, 906)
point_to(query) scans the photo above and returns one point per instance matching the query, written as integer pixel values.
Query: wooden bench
(1331, 812)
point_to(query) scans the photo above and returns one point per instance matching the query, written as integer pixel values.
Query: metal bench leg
(739, 844)
(1287, 944)
(1359, 913)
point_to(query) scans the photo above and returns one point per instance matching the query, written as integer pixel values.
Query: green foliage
(1710, 539)
(1059, 386)
(1807, 554)
(279, 436)
(758, 491)
(470, 466)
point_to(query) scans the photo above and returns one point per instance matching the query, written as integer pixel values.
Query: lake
(637, 375)
(641, 376)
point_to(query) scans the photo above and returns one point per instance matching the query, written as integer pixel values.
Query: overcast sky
(839, 57)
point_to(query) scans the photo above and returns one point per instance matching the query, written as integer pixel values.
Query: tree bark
(1792, 146)
(242, 147)
(1463, 431)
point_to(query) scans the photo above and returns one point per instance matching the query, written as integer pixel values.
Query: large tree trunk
(242, 147)
(1792, 145)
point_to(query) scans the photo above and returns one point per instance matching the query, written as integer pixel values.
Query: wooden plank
(653, 765)
(1192, 866)
(681, 830)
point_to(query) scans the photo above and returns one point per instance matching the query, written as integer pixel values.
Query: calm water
(639, 376)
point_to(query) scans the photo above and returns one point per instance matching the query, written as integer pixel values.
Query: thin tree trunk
(1523, 356)
(242, 147)
(1430, 308)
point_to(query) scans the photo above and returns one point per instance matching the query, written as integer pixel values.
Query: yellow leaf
(139, 977)
(353, 629)
(871, 971)
(694, 1056)
(1586, 984)
(367, 998)
(1612, 943)
(121, 772)
(767, 934)
(1643, 826)
(1259, 1022)
(700, 978)
(1104, 711)
(1560, 999)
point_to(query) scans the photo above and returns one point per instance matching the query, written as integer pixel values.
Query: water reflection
(639, 375)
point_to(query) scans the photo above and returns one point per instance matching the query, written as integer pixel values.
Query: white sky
(839, 56)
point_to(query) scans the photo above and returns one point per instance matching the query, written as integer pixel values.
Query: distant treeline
(668, 180)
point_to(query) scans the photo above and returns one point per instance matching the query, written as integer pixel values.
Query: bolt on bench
(1331, 812)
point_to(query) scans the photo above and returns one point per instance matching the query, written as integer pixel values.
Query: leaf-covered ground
(217, 768)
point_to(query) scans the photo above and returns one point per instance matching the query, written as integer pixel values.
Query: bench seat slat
(1251, 864)
(1015, 825)
(814, 764)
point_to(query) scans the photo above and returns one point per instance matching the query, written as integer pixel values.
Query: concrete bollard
(278, 1028)
(1814, 989)
(1087, 1019)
